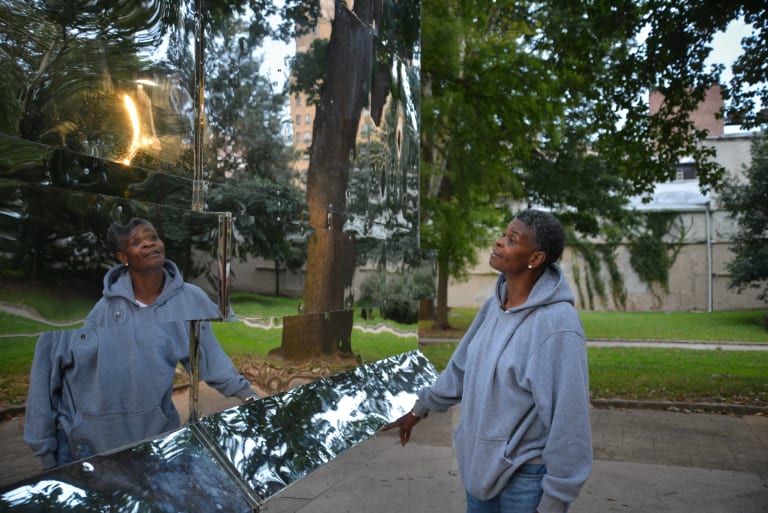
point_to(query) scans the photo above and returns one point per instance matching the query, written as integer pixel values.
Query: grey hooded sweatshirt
(110, 383)
(521, 376)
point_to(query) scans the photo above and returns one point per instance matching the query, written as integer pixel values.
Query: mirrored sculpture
(246, 136)
(237, 459)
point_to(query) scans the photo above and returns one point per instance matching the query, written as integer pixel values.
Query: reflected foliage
(98, 123)
(280, 439)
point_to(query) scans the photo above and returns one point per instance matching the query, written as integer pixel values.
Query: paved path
(645, 461)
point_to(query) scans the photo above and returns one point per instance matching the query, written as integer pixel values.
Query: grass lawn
(730, 326)
(734, 377)
(737, 377)
(657, 374)
(739, 326)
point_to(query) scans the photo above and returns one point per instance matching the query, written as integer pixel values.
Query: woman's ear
(121, 257)
(538, 258)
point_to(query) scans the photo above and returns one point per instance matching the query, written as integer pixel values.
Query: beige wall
(688, 282)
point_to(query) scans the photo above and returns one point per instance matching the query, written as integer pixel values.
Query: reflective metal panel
(237, 459)
(278, 440)
(176, 472)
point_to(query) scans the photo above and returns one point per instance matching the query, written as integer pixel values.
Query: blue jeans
(521, 494)
(64, 451)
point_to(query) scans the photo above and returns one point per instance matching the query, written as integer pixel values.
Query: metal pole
(198, 183)
(225, 238)
(198, 203)
(194, 369)
(710, 302)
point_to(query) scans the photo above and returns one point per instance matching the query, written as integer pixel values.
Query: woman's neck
(147, 286)
(519, 287)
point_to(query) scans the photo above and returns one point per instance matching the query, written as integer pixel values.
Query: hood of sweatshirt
(117, 283)
(551, 287)
(178, 301)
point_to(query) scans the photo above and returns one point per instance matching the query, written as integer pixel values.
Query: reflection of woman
(524, 441)
(110, 383)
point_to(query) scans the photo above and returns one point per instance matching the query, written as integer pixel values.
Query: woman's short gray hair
(118, 233)
(546, 233)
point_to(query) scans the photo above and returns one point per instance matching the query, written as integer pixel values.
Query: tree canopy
(547, 102)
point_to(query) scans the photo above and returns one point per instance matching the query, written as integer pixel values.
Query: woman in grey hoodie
(110, 383)
(524, 440)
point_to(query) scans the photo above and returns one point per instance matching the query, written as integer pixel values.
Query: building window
(298, 100)
(307, 119)
(298, 119)
(685, 171)
(307, 137)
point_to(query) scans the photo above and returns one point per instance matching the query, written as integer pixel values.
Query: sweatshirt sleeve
(217, 369)
(43, 396)
(560, 386)
(449, 386)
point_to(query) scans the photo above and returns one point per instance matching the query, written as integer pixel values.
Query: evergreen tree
(747, 203)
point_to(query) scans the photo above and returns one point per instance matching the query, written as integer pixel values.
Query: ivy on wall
(655, 248)
(654, 242)
(591, 257)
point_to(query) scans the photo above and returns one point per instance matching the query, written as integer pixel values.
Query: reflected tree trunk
(344, 92)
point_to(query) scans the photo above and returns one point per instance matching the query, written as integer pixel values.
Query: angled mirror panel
(176, 472)
(279, 439)
(237, 459)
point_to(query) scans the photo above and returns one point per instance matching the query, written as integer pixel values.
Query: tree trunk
(441, 314)
(344, 93)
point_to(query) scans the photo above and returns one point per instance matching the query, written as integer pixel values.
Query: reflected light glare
(133, 115)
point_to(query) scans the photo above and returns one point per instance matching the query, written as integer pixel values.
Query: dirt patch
(13, 390)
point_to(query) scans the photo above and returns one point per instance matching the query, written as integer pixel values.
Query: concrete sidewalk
(645, 461)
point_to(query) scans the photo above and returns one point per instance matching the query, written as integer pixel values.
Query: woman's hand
(405, 423)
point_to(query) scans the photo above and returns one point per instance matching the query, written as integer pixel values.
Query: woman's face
(513, 251)
(143, 249)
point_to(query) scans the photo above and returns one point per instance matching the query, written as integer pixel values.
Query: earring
(126, 264)
(529, 266)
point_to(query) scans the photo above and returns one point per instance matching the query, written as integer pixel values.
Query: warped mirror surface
(103, 122)
(237, 459)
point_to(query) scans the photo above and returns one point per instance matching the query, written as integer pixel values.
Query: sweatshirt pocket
(482, 463)
(113, 430)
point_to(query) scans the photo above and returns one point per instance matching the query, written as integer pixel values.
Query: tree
(547, 102)
(747, 203)
(355, 74)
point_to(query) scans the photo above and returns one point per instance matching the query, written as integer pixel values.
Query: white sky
(726, 46)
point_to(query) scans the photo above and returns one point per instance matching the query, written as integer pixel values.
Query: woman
(110, 383)
(524, 442)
